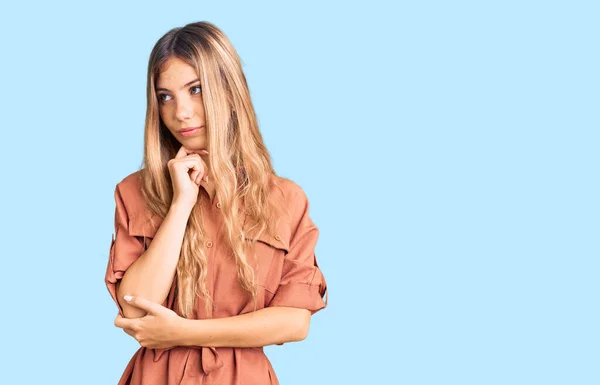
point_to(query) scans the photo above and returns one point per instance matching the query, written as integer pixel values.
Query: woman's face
(180, 103)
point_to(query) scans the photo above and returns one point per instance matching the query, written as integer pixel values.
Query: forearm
(151, 275)
(268, 326)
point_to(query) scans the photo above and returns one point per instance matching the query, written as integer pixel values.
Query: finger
(198, 175)
(194, 175)
(199, 169)
(188, 151)
(192, 163)
(143, 303)
(181, 153)
(203, 179)
(122, 322)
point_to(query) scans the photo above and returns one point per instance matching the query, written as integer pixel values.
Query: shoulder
(131, 206)
(131, 181)
(128, 192)
(291, 191)
(290, 197)
(291, 205)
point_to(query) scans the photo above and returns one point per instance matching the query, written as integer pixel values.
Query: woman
(207, 229)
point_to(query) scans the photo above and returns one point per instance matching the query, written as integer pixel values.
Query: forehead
(175, 72)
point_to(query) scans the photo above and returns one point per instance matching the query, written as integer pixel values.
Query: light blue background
(449, 151)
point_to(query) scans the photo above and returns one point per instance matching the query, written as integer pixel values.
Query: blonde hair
(240, 164)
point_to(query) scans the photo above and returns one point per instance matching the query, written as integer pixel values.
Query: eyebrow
(185, 85)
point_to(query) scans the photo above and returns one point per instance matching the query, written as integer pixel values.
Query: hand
(156, 330)
(185, 184)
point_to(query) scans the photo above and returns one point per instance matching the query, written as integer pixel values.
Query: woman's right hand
(186, 184)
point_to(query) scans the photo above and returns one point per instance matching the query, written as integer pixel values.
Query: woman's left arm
(268, 326)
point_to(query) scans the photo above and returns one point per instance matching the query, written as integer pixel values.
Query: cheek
(166, 117)
(199, 108)
(163, 112)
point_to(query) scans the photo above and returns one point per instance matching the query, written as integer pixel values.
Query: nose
(184, 110)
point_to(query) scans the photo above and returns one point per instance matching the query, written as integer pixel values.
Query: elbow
(301, 334)
(127, 310)
(302, 326)
(133, 312)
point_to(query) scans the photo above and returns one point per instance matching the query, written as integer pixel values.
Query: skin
(162, 328)
(181, 105)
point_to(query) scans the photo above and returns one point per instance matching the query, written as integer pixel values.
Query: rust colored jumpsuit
(288, 275)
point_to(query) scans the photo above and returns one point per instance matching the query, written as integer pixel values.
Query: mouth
(189, 130)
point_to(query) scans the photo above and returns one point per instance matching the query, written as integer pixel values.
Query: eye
(161, 99)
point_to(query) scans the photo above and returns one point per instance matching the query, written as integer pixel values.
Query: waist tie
(192, 362)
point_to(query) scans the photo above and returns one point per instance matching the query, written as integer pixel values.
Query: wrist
(192, 332)
(179, 208)
(181, 332)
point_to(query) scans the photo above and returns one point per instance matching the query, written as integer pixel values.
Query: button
(218, 205)
(278, 237)
(209, 244)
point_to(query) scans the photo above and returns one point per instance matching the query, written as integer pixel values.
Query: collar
(210, 190)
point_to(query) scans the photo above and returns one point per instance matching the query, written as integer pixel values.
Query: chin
(194, 144)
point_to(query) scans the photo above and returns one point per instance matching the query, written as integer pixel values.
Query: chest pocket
(270, 250)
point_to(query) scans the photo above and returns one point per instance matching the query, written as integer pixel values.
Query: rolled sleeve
(302, 282)
(124, 249)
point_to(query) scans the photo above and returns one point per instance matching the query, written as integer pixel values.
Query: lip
(188, 131)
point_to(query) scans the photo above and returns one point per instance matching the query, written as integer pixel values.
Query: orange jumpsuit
(288, 275)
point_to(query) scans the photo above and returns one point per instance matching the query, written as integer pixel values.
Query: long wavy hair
(239, 165)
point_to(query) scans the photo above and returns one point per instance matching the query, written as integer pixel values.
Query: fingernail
(127, 298)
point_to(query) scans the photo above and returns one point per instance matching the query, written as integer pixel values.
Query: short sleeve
(302, 282)
(124, 248)
(128, 242)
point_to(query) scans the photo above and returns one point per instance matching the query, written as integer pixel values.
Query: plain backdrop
(449, 150)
